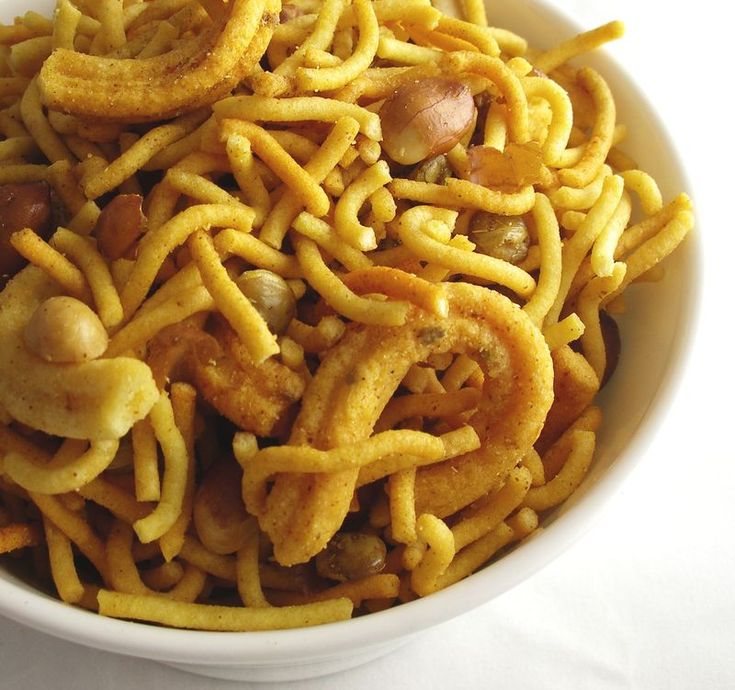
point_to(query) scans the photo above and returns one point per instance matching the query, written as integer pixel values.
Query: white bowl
(657, 333)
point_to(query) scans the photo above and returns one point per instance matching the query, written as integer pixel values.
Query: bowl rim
(37, 610)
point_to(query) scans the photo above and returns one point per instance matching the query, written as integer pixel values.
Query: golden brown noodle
(402, 385)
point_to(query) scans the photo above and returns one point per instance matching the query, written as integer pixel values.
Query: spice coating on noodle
(313, 319)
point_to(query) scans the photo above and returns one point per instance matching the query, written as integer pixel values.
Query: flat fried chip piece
(256, 397)
(18, 535)
(575, 386)
(518, 165)
(127, 90)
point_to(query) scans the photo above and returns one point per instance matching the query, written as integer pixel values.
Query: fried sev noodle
(316, 381)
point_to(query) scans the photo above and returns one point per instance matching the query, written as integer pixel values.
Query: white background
(645, 599)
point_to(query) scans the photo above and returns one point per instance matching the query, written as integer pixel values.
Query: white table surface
(646, 598)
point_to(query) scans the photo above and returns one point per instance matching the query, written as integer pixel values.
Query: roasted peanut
(119, 226)
(219, 513)
(65, 330)
(351, 556)
(271, 296)
(425, 118)
(504, 237)
(22, 206)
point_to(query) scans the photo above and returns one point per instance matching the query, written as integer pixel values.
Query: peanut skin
(424, 118)
(120, 225)
(21, 206)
